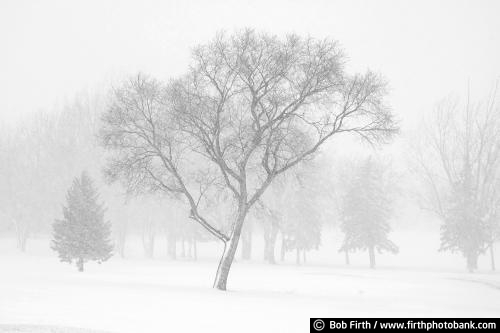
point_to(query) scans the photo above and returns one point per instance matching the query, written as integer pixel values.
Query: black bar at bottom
(404, 324)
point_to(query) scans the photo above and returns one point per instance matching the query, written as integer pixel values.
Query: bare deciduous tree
(459, 162)
(251, 107)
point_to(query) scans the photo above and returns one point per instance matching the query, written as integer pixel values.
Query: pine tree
(365, 212)
(303, 226)
(82, 235)
(301, 223)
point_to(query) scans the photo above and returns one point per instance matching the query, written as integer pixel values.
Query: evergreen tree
(302, 226)
(82, 235)
(296, 214)
(365, 212)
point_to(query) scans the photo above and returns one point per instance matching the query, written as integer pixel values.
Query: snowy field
(139, 295)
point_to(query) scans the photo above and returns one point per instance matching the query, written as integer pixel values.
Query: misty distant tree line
(229, 147)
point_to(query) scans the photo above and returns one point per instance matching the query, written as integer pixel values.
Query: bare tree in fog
(40, 157)
(459, 162)
(27, 190)
(251, 107)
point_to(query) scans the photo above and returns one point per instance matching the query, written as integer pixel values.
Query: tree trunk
(195, 250)
(171, 246)
(79, 264)
(270, 236)
(471, 262)
(246, 244)
(297, 259)
(149, 245)
(269, 251)
(283, 247)
(22, 232)
(183, 248)
(190, 245)
(371, 251)
(148, 239)
(120, 244)
(229, 251)
(492, 257)
(121, 238)
(21, 245)
(304, 256)
(347, 261)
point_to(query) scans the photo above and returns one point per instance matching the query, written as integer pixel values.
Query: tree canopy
(250, 107)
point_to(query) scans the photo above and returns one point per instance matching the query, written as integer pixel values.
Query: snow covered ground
(139, 295)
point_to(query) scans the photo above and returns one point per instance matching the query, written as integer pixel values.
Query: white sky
(50, 50)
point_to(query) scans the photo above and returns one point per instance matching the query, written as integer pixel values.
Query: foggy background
(425, 49)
